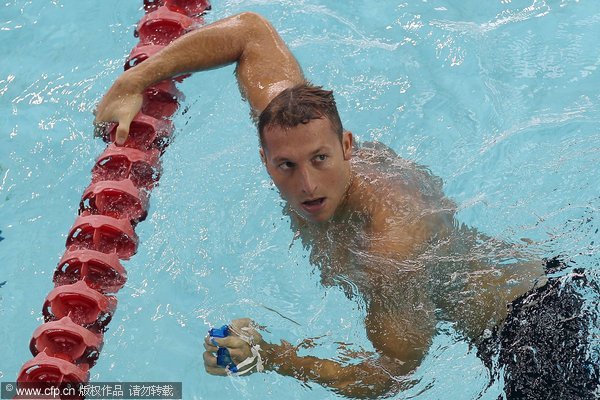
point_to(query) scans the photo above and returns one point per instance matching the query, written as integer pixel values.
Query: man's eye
(286, 165)
(321, 157)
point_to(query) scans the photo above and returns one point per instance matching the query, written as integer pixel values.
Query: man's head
(299, 105)
(306, 151)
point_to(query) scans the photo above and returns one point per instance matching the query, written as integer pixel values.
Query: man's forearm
(364, 380)
(246, 39)
(211, 46)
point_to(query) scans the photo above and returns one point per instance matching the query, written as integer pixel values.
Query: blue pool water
(500, 100)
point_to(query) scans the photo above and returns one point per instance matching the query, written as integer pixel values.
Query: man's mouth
(313, 206)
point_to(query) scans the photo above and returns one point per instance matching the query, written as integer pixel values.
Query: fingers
(210, 359)
(231, 342)
(120, 104)
(123, 127)
(122, 133)
(210, 364)
(102, 111)
(246, 329)
(241, 322)
(237, 355)
(242, 335)
(238, 349)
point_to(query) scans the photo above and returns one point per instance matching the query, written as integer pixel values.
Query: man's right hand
(264, 66)
(120, 104)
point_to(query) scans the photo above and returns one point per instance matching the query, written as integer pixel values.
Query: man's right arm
(264, 66)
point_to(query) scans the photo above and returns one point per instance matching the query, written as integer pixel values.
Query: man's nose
(308, 183)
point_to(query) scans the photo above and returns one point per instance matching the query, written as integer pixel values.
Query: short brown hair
(299, 105)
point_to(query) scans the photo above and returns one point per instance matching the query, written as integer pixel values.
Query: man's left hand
(242, 337)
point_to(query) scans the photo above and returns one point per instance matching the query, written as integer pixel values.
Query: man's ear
(262, 156)
(347, 145)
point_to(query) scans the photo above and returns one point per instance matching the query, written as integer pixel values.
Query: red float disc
(100, 271)
(67, 340)
(85, 306)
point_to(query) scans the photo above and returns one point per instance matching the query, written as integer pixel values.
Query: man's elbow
(373, 387)
(364, 381)
(254, 21)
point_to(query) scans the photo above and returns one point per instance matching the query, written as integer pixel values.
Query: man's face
(309, 166)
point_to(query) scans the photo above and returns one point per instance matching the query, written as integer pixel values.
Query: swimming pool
(500, 102)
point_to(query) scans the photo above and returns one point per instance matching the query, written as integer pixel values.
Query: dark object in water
(2, 283)
(1, 238)
(544, 341)
(554, 265)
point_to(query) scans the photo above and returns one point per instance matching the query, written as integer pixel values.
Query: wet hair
(299, 105)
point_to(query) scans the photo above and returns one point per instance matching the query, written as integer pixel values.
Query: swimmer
(372, 220)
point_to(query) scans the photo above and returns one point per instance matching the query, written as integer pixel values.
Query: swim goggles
(224, 357)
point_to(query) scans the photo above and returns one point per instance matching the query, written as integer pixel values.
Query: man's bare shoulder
(404, 201)
(393, 181)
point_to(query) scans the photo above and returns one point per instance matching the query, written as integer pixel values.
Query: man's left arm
(397, 356)
(400, 324)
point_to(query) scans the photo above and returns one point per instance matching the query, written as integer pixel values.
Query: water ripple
(539, 8)
(552, 119)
